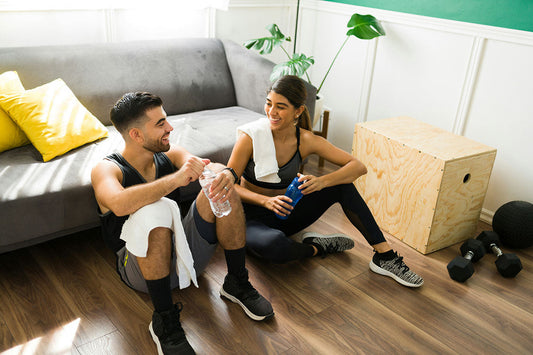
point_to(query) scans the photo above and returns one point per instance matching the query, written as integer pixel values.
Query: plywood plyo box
(424, 185)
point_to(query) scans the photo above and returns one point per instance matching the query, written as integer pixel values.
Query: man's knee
(159, 208)
(204, 207)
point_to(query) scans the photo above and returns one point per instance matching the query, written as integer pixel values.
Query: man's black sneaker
(239, 290)
(396, 269)
(168, 334)
(332, 243)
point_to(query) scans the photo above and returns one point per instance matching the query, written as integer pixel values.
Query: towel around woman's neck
(264, 156)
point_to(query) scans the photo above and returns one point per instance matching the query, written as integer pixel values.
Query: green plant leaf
(266, 45)
(297, 65)
(364, 27)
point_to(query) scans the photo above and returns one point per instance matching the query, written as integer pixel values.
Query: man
(137, 192)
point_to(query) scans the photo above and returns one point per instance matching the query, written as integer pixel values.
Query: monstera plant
(360, 26)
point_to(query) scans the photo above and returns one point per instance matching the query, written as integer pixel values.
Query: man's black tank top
(112, 224)
(286, 173)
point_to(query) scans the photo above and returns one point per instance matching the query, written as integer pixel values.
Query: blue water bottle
(293, 193)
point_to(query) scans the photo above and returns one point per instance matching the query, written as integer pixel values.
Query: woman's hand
(221, 186)
(279, 204)
(311, 183)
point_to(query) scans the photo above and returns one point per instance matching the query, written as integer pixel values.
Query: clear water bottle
(293, 193)
(220, 209)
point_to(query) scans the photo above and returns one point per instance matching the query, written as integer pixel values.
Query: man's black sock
(235, 260)
(160, 293)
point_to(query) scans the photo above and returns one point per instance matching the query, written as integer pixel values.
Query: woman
(266, 234)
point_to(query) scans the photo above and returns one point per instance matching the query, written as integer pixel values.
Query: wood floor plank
(123, 306)
(227, 321)
(109, 344)
(26, 306)
(76, 286)
(453, 312)
(5, 333)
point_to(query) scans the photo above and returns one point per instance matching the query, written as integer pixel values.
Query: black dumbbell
(508, 265)
(461, 267)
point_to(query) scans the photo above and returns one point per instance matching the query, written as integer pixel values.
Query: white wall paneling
(501, 115)
(32, 28)
(342, 89)
(101, 21)
(246, 20)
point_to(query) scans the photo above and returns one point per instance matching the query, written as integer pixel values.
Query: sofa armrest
(251, 78)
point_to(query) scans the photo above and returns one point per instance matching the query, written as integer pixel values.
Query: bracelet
(234, 174)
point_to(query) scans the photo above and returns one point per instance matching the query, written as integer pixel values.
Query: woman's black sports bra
(286, 173)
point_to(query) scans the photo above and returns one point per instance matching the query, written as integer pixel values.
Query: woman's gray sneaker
(328, 244)
(396, 269)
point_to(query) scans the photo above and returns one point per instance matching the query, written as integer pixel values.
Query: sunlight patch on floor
(57, 342)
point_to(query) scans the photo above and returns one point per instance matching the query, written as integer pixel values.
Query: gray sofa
(208, 87)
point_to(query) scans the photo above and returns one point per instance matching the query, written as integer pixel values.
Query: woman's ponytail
(304, 120)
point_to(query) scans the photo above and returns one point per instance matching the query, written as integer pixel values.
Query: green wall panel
(514, 14)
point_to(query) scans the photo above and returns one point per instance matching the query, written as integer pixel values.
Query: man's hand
(191, 170)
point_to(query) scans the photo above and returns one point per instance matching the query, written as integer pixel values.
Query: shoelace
(334, 246)
(400, 264)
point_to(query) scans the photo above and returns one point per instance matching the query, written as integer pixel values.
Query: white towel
(163, 213)
(266, 165)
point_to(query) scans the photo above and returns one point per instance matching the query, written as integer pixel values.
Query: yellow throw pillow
(11, 136)
(53, 118)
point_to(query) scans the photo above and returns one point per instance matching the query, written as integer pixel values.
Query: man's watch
(234, 174)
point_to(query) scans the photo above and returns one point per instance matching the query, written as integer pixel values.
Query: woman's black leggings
(267, 235)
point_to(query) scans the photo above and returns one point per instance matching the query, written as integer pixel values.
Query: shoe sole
(330, 236)
(246, 310)
(155, 339)
(380, 271)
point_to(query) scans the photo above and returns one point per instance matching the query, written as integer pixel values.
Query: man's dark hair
(132, 106)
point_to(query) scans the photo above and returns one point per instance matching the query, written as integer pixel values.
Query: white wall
(99, 21)
(469, 79)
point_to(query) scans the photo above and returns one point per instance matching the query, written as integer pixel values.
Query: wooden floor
(64, 297)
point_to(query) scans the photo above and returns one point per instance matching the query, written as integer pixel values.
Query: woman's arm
(350, 167)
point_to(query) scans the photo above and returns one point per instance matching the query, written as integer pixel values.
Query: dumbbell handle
(469, 255)
(495, 249)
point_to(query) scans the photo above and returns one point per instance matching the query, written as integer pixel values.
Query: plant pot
(319, 107)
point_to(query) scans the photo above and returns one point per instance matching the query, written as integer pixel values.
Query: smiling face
(280, 112)
(156, 130)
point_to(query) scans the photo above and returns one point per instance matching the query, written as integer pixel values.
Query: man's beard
(156, 146)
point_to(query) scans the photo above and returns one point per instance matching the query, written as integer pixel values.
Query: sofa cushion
(189, 74)
(52, 118)
(58, 195)
(11, 136)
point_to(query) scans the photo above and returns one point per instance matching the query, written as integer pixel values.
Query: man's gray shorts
(201, 236)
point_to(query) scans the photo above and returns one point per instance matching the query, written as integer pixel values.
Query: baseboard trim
(486, 216)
